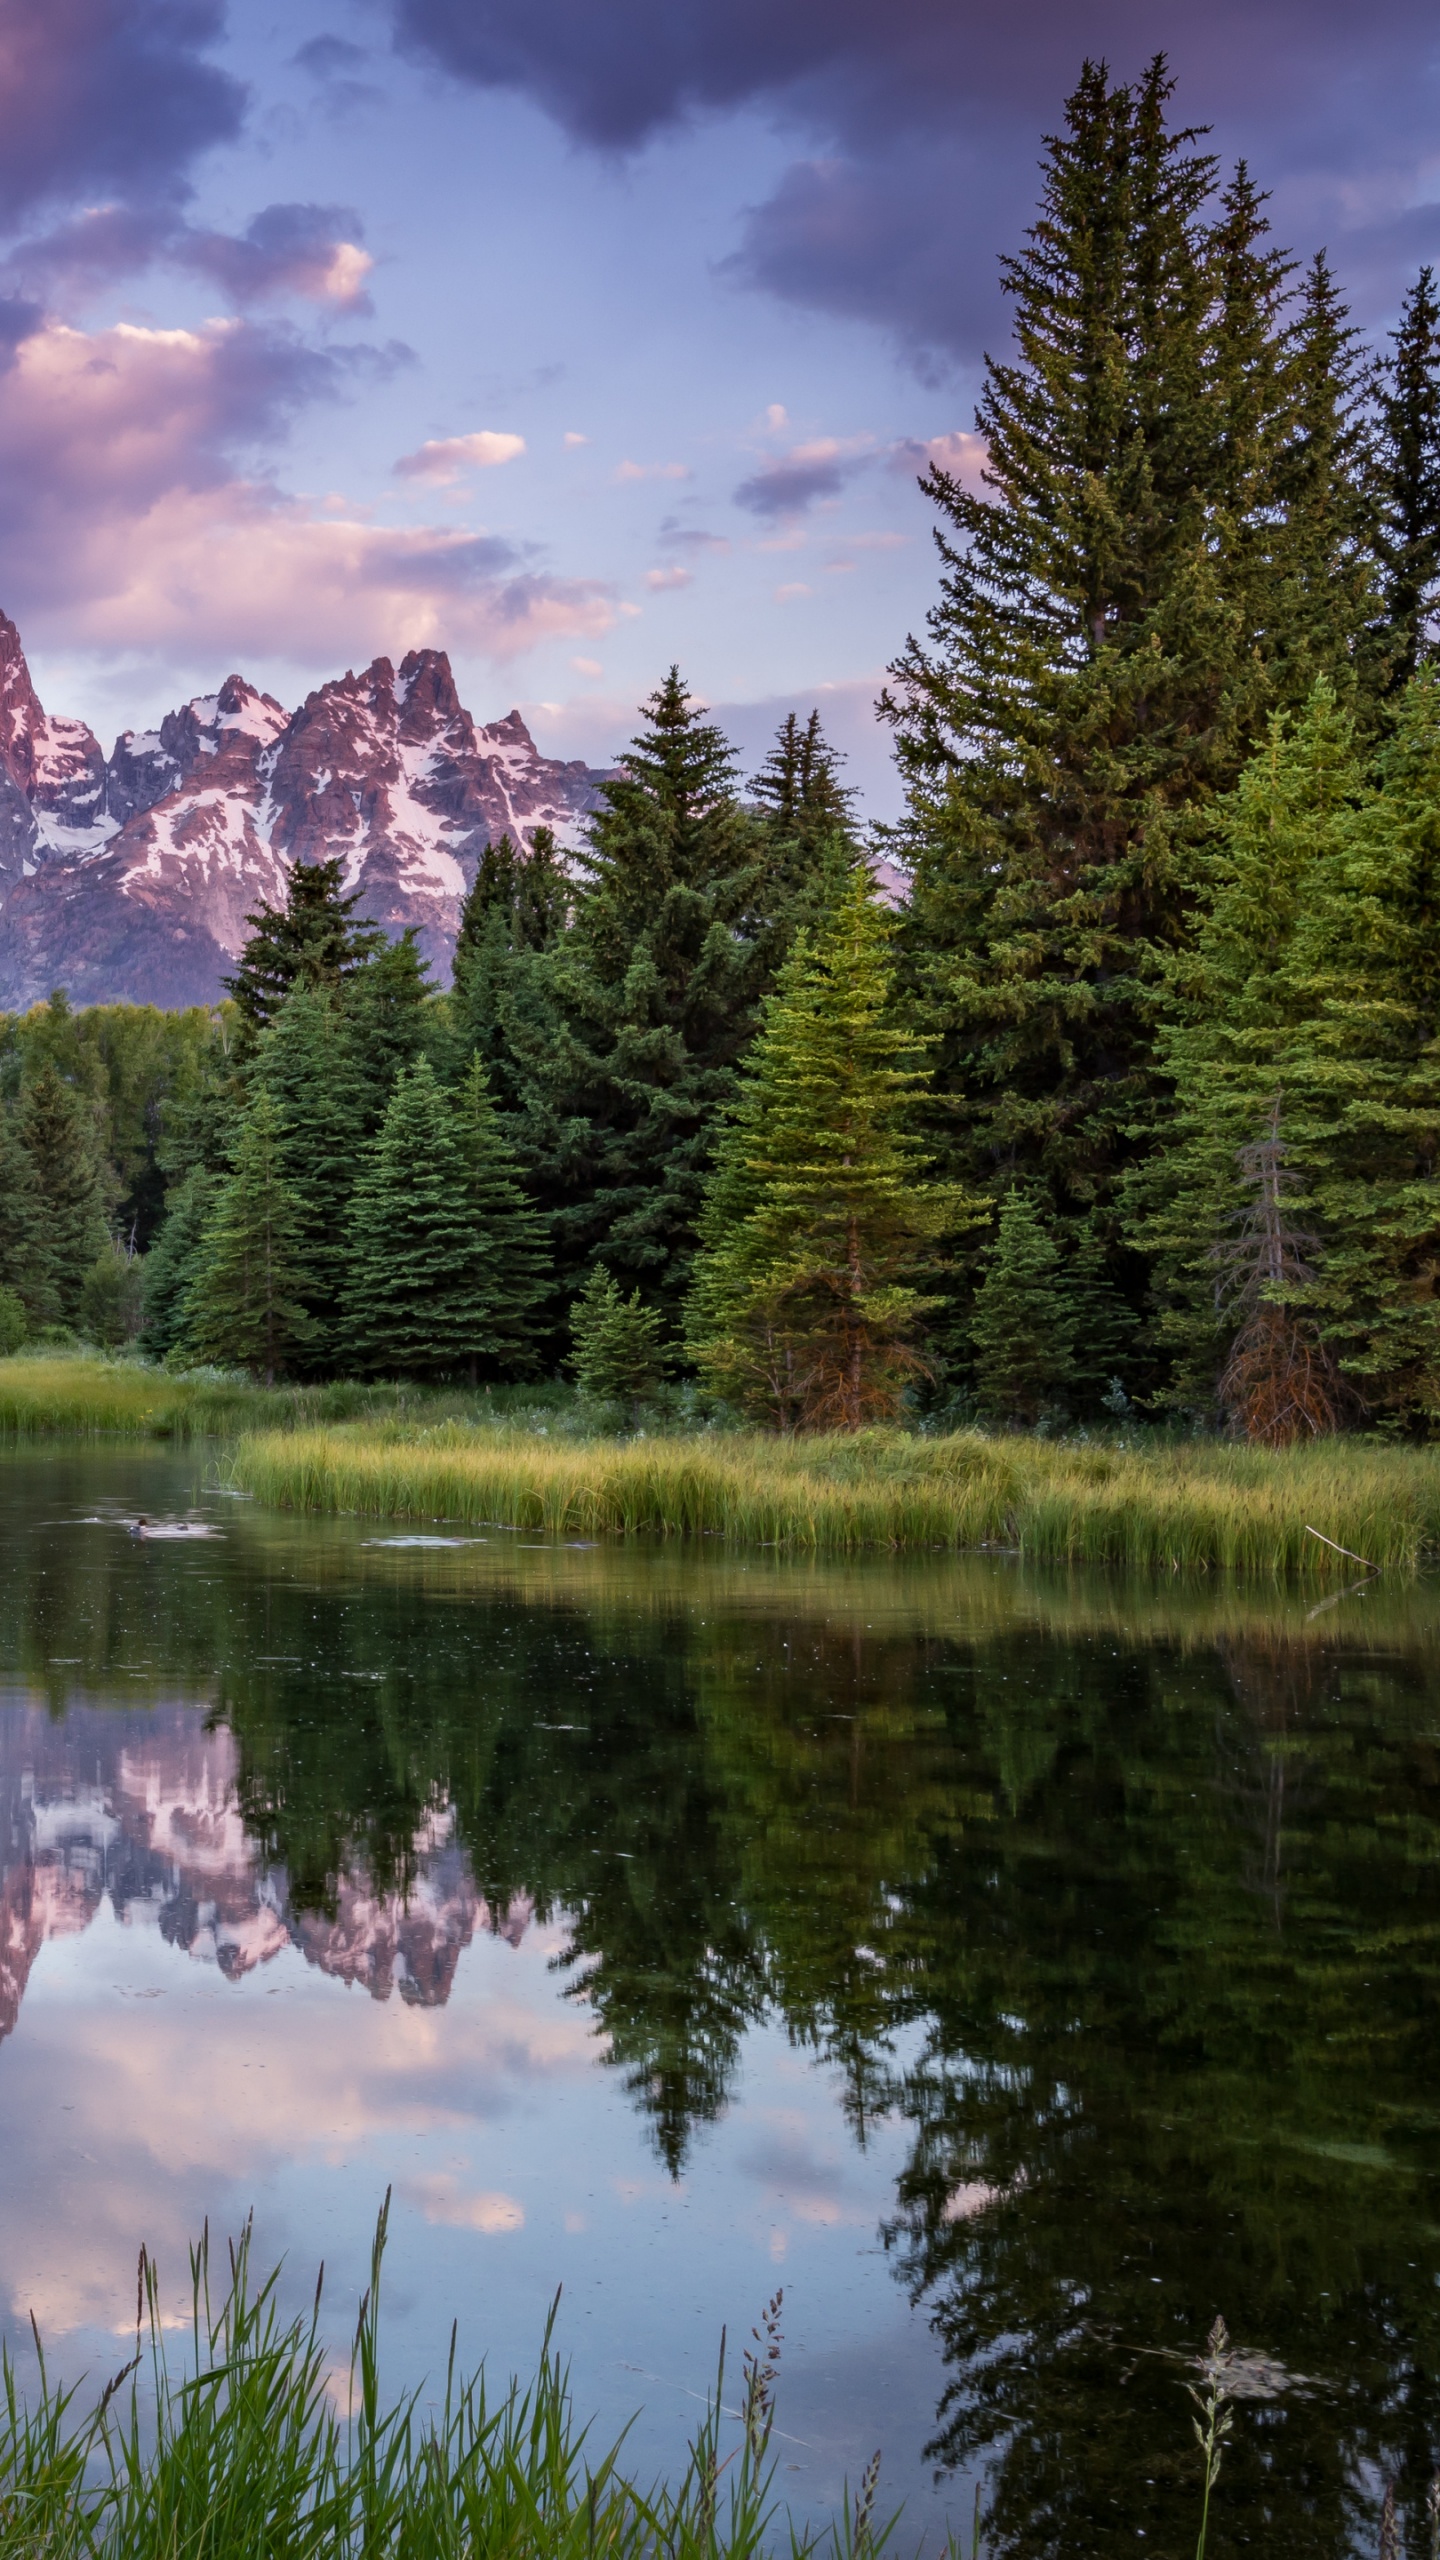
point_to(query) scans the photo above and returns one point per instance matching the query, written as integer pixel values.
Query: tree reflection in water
(1128, 1906)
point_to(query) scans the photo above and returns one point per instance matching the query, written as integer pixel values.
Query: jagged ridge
(129, 879)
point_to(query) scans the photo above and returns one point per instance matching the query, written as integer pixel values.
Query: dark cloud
(104, 97)
(331, 57)
(309, 250)
(791, 483)
(288, 249)
(924, 121)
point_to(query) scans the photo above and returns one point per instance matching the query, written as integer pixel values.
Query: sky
(575, 340)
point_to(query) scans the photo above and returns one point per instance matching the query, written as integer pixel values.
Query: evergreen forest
(1127, 1104)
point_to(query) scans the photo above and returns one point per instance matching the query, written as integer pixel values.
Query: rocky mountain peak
(130, 879)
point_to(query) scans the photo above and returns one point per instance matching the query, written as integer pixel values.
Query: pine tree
(1408, 474)
(383, 1008)
(426, 1284)
(1022, 1324)
(1322, 587)
(1106, 1335)
(1156, 559)
(243, 1304)
(1360, 1077)
(646, 1006)
(819, 1218)
(618, 1347)
(28, 1257)
(516, 912)
(312, 940)
(308, 1060)
(808, 821)
(1232, 1008)
(173, 1261)
(56, 1126)
(14, 1322)
(514, 1279)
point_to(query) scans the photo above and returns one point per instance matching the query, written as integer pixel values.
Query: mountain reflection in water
(1110, 1915)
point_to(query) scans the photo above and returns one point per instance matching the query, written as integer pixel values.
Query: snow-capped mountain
(141, 1811)
(130, 878)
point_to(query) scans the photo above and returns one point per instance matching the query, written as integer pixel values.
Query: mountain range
(128, 878)
(142, 1811)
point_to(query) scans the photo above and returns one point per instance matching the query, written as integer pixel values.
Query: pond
(1014, 1971)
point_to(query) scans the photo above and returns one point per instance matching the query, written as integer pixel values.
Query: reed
(1173, 1508)
(246, 2455)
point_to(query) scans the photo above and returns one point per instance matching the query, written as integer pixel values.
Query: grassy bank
(1193, 1506)
(80, 1394)
(243, 2456)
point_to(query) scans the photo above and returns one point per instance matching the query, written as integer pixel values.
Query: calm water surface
(1016, 1972)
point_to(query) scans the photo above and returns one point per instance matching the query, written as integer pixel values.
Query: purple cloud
(788, 483)
(309, 251)
(926, 117)
(108, 96)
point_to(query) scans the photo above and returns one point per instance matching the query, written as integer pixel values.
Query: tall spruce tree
(243, 1304)
(649, 1001)
(29, 1262)
(57, 1128)
(308, 1061)
(1022, 1324)
(512, 1283)
(1408, 477)
(1232, 1009)
(313, 940)
(1360, 1078)
(438, 1241)
(173, 1261)
(383, 1006)
(516, 912)
(807, 816)
(820, 1220)
(1154, 559)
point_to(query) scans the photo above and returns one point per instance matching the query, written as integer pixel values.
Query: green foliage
(65, 1201)
(618, 1346)
(819, 1216)
(14, 1322)
(173, 1260)
(1166, 544)
(807, 815)
(516, 912)
(313, 940)
(244, 1305)
(652, 999)
(326, 1102)
(444, 1260)
(383, 1008)
(1306, 1023)
(1023, 1322)
(1408, 477)
(111, 1298)
(513, 1280)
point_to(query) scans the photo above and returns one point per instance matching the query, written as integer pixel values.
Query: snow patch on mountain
(130, 878)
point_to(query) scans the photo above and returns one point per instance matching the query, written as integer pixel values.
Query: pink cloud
(446, 459)
(128, 527)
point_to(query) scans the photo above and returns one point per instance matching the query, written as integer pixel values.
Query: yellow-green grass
(79, 1393)
(1173, 1507)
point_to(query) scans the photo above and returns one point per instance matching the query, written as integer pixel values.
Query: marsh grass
(83, 1395)
(1180, 1507)
(253, 2453)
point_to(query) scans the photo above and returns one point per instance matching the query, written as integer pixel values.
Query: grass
(82, 1394)
(1175, 1507)
(259, 2451)
(531, 1457)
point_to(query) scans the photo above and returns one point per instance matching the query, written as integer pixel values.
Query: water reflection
(1112, 1916)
